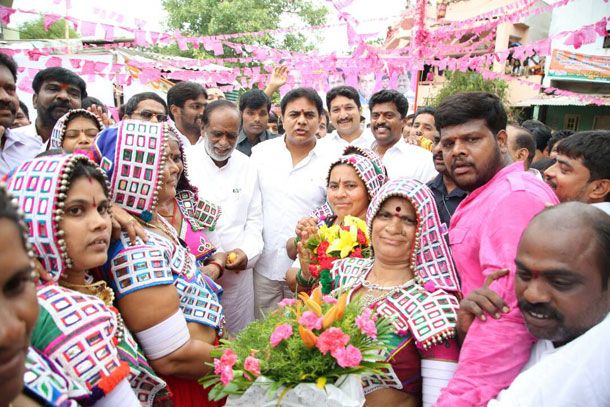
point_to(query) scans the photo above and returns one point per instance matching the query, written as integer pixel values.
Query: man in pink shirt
(484, 234)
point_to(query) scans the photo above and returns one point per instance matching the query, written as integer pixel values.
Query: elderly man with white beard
(225, 176)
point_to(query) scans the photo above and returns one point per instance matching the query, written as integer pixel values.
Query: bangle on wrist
(220, 268)
(303, 282)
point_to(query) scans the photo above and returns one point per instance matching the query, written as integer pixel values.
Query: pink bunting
(49, 20)
(87, 28)
(5, 14)
(108, 32)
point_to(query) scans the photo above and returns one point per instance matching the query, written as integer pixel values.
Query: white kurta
(289, 193)
(334, 145)
(576, 374)
(406, 160)
(235, 188)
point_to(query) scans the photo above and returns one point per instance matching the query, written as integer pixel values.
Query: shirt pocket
(457, 236)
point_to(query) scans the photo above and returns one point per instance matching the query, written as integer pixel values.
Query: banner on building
(570, 65)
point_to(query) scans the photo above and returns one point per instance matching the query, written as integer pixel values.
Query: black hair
(391, 96)
(215, 105)
(273, 118)
(62, 75)
(543, 164)
(8, 210)
(254, 99)
(556, 137)
(423, 110)
(183, 91)
(346, 91)
(327, 118)
(132, 103)
(410, 117)
(466, 106)
(89, 101)
(84, 168)
(307, 93)
(121, 111)
(524, 139)
(540, 131)
(24, 109)
(593, 148)
(9, 63)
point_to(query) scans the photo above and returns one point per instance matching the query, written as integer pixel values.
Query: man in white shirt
(186, 102)
(225, 176)
(562, 277)
(15, 147)
(388, 116)
(56, 90)
(291, 172)
(343, 103)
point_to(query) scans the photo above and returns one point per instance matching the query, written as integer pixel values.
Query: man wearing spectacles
(146, 106)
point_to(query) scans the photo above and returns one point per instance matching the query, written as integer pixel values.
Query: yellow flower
(344, 244)
(321, 382)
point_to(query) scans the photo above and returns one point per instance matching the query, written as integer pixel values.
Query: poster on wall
(571, 65)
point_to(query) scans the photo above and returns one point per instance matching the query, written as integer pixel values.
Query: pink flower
(225, 371)
(228, 358)
(226, 375)
(347, 357)
(366, 324)
(329, 299)
(331, 339)
(286, 302)
(280, 333)
(310, 320)
(253, 365)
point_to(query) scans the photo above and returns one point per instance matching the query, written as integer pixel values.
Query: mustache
(58, 103)
(542, 309)
(8, 106)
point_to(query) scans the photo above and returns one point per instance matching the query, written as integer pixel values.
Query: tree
(469, 82)
(213, 17)
(34, 30)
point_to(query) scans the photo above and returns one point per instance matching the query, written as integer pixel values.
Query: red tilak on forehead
(535, 273)
(64, 86)
(94, 205)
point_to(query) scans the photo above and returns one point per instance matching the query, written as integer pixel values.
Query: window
(601, 122)
(607, 40)
(571, 122)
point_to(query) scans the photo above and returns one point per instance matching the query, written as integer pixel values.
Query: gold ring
(132, 220)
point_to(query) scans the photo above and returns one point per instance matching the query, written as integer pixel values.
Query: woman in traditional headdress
(26, 376)
(412, 281)
(189, 215)
(170, 305)
(75, 130)
(66, 203)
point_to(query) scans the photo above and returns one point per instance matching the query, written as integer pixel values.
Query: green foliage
(469, 82)
(213, 17)
(34, 30)
(291, 362)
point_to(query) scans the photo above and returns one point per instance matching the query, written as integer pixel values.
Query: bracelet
(221, 269)
(304, 283)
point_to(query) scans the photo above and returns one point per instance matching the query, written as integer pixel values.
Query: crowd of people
(128, 249)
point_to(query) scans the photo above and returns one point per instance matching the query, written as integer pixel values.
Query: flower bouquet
(310, 351)
(350, 239)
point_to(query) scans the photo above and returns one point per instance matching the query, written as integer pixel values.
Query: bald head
(562, 272)
(569, 219)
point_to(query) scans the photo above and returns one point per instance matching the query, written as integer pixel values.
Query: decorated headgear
(430, 256)
(367, 165)
(133, 155)
(13, 204)
(41, 186)
(202, 213)
(59, 130)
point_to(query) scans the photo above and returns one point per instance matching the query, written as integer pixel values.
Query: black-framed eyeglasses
(147, 115)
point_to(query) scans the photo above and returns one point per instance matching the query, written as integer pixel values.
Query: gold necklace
(169, 231)
(98, 289)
